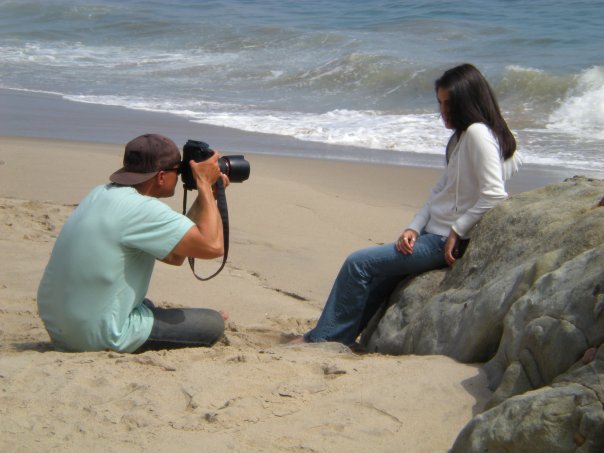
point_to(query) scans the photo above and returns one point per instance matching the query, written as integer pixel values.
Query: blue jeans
(366, 279)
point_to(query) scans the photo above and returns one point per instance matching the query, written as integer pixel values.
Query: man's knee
(215, 326)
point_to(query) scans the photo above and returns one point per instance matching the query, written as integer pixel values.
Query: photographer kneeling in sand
(92, 294)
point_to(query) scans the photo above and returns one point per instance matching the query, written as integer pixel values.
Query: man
(92, 294)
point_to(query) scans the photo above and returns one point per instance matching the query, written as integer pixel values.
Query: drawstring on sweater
(451, 153)
(457, 180)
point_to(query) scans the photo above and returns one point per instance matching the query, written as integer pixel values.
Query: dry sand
(292, 224)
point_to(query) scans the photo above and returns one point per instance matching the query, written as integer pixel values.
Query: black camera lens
(235, 167)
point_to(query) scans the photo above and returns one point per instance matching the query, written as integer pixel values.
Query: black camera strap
(224, 214)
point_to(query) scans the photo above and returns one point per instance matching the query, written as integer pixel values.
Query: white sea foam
(414, 133)
(417, 133)
(410, 133)
(581, 113)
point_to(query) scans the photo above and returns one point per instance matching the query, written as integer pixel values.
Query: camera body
(235, 167)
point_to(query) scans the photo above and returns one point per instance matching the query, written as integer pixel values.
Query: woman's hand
(450, 247)
(406, 242)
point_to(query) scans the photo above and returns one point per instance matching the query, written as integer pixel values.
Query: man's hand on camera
(207, 171)
(225, 182)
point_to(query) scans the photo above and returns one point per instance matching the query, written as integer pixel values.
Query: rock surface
(527, 299)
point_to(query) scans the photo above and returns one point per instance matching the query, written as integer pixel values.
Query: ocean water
(350, 72)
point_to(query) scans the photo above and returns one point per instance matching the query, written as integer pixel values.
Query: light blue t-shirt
(90, 297)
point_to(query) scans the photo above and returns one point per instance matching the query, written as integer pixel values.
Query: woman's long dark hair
(471, 100)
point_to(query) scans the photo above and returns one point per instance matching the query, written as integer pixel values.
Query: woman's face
(443, 104)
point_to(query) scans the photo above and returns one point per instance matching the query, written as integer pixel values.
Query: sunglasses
(178, 169)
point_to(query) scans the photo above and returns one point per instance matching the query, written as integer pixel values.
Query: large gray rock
(528, 299)
(564, 417)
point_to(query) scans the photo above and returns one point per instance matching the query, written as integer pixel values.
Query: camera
(235, 167)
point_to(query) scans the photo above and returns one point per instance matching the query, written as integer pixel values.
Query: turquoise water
(349, 72)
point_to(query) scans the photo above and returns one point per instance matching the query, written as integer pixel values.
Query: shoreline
(29, 114)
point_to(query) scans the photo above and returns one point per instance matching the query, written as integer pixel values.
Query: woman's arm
(482, 151)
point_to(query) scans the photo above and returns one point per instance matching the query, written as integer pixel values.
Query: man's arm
(205, 239)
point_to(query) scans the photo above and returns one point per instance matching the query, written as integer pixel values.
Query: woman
(479, 158)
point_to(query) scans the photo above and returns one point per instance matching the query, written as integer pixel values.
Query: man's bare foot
(224, 315)
(297, 340)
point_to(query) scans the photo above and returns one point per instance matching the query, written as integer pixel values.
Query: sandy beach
(291, 226)
(334, 106)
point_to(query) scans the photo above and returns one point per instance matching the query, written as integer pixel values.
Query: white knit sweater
(472, 183)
